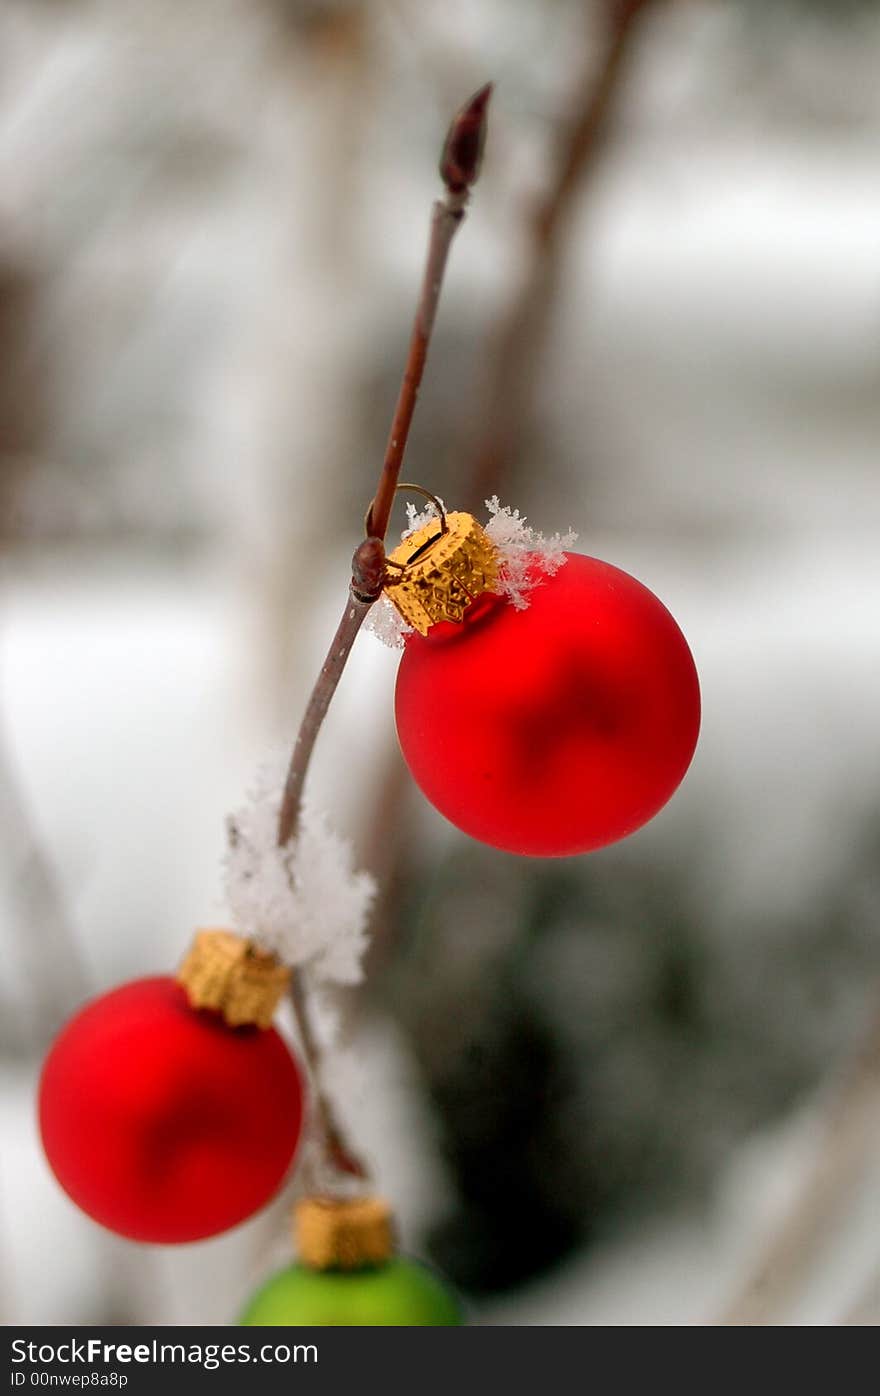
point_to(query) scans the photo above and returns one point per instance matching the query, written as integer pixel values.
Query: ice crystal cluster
(526, 557)
(307, 903)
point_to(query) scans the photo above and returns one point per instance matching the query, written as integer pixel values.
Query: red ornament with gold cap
(170, 1109)
(550, 730)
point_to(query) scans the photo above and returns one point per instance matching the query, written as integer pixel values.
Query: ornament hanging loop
(426, 494)
(416, 489)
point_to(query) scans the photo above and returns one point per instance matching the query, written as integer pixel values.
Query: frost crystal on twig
(526, 557)
(387, 624)
(305, 902)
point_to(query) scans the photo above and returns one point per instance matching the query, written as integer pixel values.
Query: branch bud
(463, 148)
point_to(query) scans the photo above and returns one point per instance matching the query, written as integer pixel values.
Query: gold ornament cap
(227, 973)
(437, 572)
(343, 1233)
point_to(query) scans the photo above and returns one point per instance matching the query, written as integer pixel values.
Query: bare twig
(336, 1152)
(514, 350)
(459, 168)
(356, 610)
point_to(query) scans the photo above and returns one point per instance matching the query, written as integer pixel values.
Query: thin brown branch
(336, 1152)
(459, 168)
(514, 353)
(353, 617)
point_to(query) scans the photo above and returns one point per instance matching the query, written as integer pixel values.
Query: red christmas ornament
(556, 729)
(161, 1121)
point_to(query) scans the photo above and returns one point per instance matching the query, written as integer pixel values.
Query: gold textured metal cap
(228, 973)
(442, 571)
(343, 1233)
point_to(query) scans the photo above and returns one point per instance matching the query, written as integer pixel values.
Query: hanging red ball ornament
(162, 1120)
(552, 730)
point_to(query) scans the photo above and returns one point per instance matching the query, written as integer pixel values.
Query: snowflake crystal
(527, 556)
(306, 902)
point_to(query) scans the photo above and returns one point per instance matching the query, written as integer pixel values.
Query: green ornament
(395, 1293)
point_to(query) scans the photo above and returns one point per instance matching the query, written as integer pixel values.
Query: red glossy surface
(162, 1123)
(557, 729)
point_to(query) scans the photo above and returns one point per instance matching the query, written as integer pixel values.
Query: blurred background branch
(515, 349)
(46, 942)
(848, 1137)
(503, 401)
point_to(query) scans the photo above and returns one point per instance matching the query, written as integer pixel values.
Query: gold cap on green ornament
(229, 974)
(343, 1233)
